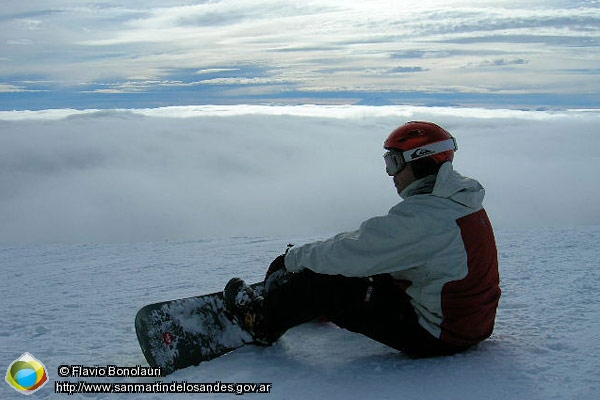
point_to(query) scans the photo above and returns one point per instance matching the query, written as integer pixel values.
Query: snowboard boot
(245, 306)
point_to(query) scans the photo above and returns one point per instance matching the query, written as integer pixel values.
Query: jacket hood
(451, 185)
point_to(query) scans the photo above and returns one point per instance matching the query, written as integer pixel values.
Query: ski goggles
(394, 162)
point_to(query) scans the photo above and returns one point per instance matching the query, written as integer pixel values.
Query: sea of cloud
(186, 173)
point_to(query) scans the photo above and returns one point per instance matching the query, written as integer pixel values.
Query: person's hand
(277, 265)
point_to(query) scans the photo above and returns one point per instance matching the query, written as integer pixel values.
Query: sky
(205, 172)
(535, 54)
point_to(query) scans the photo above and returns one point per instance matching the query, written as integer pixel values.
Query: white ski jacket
(438, 243)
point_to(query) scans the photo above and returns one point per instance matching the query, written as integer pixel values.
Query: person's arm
(397, 241)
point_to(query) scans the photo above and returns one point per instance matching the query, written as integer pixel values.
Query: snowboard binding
(244, 305)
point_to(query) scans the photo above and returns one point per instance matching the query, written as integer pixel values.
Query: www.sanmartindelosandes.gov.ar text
(72, 387)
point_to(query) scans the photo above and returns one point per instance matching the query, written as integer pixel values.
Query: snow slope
(75, 304)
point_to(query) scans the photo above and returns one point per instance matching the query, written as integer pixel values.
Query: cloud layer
(271, 49)
(199, 172)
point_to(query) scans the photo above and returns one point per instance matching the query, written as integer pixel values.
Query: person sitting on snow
(422, 279)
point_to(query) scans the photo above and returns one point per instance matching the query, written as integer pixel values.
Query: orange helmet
(416, 140)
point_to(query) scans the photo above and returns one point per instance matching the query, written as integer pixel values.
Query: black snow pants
(375, 307)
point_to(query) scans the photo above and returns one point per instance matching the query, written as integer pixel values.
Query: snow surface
(75, 304)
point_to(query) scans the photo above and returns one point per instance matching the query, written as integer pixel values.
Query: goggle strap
(429, 150)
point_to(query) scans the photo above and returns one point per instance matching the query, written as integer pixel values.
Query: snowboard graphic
(180, 333)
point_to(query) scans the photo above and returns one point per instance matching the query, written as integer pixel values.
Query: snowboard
(184, 332)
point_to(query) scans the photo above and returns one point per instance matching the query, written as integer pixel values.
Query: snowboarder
(422, 279)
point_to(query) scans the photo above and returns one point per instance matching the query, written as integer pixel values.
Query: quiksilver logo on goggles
(418, 153)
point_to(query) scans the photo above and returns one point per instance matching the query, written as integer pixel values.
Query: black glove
(278, 263)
